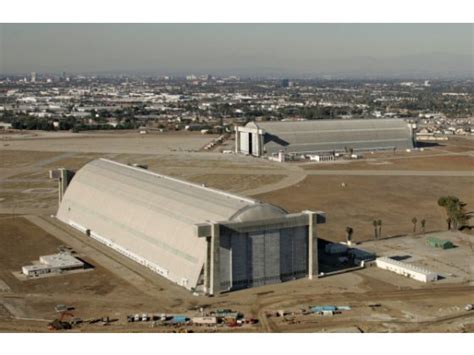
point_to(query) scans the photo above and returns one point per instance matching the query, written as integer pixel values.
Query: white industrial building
(318, 136)
(198, 237)
(408, 270)
(53, 264)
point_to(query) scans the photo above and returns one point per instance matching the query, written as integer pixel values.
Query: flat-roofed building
(53, 264)
(405, 269)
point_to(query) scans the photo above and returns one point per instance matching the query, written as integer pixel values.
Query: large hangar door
(293, 253)
(264, 257)
(244, 142)
(286, 254)
(257, 258)
(251, 145)
(300, 250)
(225, 266)
(264, 252)
(254, 139)
(240, 278)
(272, 256)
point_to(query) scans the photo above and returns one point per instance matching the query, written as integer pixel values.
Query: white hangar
(198, 237)
(315, 136)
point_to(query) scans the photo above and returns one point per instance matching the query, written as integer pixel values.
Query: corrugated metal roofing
(152, 215)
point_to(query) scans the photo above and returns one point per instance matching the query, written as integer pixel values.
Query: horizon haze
(294, 50)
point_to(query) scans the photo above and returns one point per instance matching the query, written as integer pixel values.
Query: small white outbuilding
(408, 270)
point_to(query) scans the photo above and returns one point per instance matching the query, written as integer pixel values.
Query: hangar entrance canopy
(193, 235)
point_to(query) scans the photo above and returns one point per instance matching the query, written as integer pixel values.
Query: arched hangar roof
(153, 215)
(326, 135)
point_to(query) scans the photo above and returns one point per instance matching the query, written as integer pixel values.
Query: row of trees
(70, 123)
(455, 210)
(377, 223)
(422, 223)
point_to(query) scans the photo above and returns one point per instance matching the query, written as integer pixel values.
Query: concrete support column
(257, 145)
(64, 177)
(314, 218)
(207, 266)
(214, 284)
(237, 140)
(63, 182)
(260, 144)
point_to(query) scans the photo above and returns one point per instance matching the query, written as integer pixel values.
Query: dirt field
(441, 162)
(235, 183)
(114, 143)
(10, 159)
(394, 200)
(26, 188)
(118, 286)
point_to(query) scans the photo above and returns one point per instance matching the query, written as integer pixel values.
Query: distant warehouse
(198, 237)
(316, 136)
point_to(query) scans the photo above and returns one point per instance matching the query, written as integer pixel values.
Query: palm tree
(379, 224)
(374, 223)
(414, 220)
(423, 223)
(349, 232)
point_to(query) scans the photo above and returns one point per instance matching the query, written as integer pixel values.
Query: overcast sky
(288, 49)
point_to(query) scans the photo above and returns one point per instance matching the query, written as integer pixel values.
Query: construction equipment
(61, 324)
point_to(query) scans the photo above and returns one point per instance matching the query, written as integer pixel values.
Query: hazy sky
(240, 48)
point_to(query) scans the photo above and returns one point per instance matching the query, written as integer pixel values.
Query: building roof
(152, 215)
(405, 266)
(35, 267)
(61, 260)
(327, 135)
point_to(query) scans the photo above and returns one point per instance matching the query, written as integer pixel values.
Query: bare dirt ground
(118, 286)
(439, 162)
(235, 183)
(394, 200)
(113, 143)
(11, 159)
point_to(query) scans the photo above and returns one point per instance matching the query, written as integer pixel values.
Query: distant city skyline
(294, 50)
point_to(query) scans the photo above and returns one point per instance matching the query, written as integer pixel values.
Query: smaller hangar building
(198, 237)
(318, 136)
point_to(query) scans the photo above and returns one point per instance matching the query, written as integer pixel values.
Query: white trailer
(35, 270)
(408, 270)
(204, 320)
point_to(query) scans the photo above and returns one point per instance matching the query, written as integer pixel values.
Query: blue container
(318, 309)
(179, 319)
